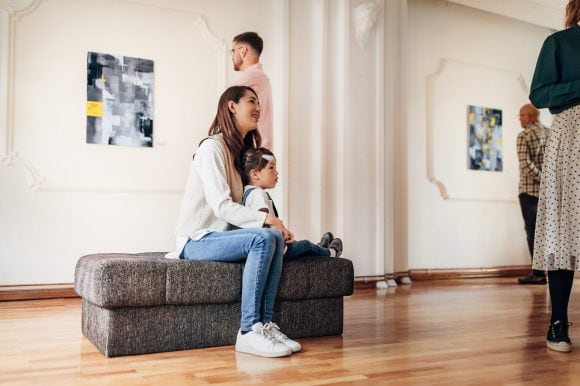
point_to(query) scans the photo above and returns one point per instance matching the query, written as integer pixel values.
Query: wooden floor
(471, 332)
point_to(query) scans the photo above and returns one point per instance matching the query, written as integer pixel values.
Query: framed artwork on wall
(485, 147)
(119, 100)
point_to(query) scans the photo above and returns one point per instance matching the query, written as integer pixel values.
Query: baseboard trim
(469, 273)
(66, 290)
(361, 282)
(37, 292)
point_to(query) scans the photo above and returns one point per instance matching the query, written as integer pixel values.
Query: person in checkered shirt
(530, 145)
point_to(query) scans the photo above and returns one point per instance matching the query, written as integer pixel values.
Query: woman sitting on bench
(212, 205)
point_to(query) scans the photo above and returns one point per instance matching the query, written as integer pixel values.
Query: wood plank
(472, 332)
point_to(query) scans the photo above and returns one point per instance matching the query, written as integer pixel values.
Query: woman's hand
(276, 223)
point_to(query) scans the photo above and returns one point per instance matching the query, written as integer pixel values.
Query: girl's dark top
(556, 82)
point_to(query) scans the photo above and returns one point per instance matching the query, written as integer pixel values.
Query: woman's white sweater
(213, 196)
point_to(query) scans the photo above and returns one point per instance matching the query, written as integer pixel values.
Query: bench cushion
(149, 279)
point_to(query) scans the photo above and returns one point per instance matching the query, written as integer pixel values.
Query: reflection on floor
(477, 331)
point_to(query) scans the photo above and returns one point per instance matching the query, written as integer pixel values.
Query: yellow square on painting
(470, 118)
(94, 109)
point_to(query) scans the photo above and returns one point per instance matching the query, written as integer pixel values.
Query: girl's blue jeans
(304, 248)
(262, 249)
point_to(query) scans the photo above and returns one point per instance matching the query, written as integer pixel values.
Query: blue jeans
(262, 249)
(304, 248)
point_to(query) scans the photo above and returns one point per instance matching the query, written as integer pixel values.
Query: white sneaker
(274, 331)
(260, 342)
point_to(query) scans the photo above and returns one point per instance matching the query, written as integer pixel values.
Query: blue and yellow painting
(485, 148)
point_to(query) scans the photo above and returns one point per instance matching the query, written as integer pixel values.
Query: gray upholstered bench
(144, 303)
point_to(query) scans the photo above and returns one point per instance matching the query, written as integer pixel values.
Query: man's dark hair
(251, 38)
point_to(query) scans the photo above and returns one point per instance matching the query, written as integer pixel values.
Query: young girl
(259, 167)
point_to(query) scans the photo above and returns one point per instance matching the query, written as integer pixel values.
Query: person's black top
(556, 82)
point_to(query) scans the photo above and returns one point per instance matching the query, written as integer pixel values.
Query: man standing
(530, 144)
(246, 51)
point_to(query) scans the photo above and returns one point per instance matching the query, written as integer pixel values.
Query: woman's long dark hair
(572, 13)
(224, 123)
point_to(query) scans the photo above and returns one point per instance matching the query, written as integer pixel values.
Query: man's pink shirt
(255, 77)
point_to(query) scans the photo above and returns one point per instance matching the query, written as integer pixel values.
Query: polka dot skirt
(557, 239)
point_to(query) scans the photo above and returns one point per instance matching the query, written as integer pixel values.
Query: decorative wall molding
(36, 180)
(392, 146)
(431, 100)
(384, 144)
(364, 18)
(430, 147)
(11, 157)
(343, 123)
(282, 97)
(319, 89)
(400, 167)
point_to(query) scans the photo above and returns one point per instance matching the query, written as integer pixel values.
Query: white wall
(354, 122)
(61, 198)
(460, 56)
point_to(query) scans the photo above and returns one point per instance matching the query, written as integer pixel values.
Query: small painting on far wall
(485, 150)
(119, 100)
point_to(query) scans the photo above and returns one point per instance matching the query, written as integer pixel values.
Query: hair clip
(268, 157)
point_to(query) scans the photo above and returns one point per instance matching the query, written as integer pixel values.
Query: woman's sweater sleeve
(210, 163)
(547, 90)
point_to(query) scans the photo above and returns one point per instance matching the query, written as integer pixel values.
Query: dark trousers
(560, 283)
(529, 205)
(304, 248)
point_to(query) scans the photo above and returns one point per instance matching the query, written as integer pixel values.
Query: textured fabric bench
(145, 303)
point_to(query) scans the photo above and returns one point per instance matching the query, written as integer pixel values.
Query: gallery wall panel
(451, 88)
(89, 198)
(46, 123)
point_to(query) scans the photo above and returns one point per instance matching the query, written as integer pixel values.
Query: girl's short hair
(254, 159)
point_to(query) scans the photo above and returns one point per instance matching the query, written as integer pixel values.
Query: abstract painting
(119, 100)
(485, 148)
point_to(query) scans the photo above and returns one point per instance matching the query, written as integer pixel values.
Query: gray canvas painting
(119, 100)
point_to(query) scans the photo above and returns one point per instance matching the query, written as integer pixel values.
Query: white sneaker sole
(267, 354)
(560, 347)
(293, 347)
